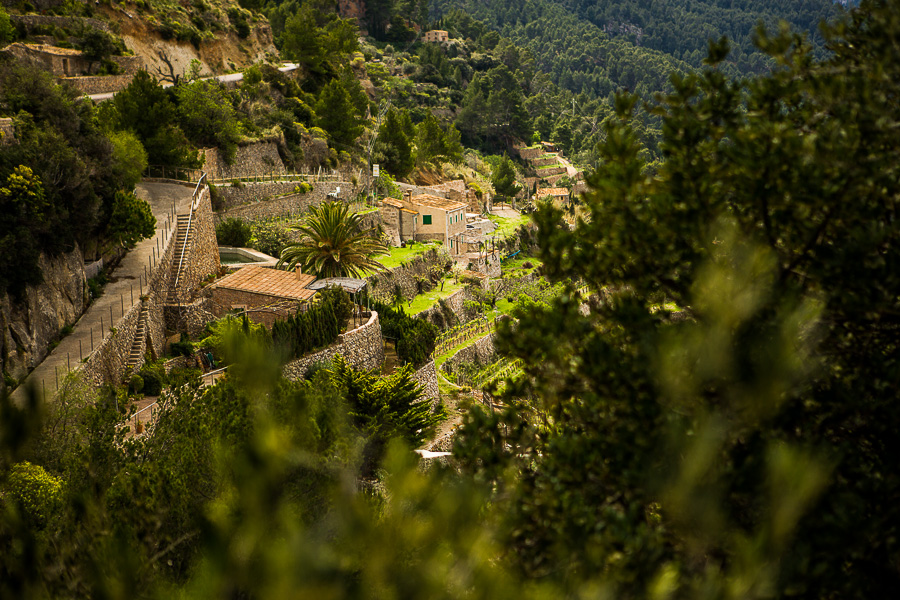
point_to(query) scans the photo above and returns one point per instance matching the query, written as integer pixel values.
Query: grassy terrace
(399, 256)
(429, 299)
(506, 226)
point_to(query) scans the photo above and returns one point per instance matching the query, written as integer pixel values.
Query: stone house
(61, 62)
(556, 195)
(400, 220)
(436, 35)
(441, 219)
(265, 294)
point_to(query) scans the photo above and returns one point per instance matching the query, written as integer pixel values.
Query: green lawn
(398, 256)
(429, 299)
(506, 226)
(515, 267)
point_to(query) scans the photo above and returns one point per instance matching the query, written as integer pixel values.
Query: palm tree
(333, 244)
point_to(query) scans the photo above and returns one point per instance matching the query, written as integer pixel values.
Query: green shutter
(426, 219)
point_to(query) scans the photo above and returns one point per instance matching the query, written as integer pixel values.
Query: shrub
(416, 338)
(233, 232)
(269, 238)
(36, 492)
(182, 347)
(136, 384)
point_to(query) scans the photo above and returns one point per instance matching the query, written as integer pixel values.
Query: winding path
(123, 290)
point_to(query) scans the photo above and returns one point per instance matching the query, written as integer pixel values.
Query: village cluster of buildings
(449, 213)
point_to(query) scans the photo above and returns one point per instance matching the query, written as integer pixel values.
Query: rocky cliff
(30, 323)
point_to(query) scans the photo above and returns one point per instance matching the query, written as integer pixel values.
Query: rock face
(29, 324)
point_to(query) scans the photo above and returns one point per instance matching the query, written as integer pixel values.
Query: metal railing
(195, 197)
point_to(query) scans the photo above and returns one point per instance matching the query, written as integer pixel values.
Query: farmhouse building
(265, 294)
(436, 35)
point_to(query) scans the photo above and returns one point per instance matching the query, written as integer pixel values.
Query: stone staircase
(136, 354)
(182, 233)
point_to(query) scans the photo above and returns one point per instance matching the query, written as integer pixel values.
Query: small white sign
(376, 170)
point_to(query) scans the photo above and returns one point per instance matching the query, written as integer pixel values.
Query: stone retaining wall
(261, 158)
(551, 171)
(481, 352)
(362, 348)
(512, 287)
(382, 285)
(293, 205)
(107, 363)
(426, 376)
(191, 318)
(529, 153)
(32, 21)
(543, 162)
(98, 84)
(231, 196)
(456, 302)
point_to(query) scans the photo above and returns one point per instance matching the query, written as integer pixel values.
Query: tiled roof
(552, 192)
(271, 282)
(393, 202)
(435, 202)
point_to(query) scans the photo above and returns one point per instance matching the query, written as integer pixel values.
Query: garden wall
(362, 348)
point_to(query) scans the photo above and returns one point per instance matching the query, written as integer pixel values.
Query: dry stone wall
(32, 21)
(426, 376)
(362, 348)
(530, 153)
(543, 162)
(481, 352)
(292, 205)
(456, 304)
(229, 196)
(261, 158)
(98, 84)
(107, 363)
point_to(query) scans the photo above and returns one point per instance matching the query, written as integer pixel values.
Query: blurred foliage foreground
(741, 448)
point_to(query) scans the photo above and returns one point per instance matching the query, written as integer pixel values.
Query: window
(426, 219)
(451, 242)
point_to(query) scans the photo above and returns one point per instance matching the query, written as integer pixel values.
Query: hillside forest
(704, 404)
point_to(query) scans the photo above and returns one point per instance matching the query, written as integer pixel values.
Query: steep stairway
(182, 233)
(140, 334)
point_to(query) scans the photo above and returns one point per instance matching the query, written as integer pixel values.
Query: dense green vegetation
(718, 422)
(63, 181)
(315, 327)
(413, 338)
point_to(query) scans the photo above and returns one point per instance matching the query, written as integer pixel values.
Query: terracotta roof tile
(552, 192)
(272, 282)
(435, 202)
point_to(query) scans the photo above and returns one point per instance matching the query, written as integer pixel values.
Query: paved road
(126, 282)
(222, 78)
